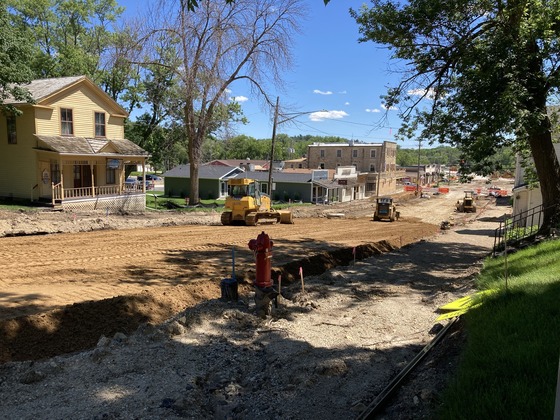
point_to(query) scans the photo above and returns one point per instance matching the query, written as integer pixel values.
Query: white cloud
(227, 91)
(391, 108)
(429, 94)
(240, 99)
(375, 110)
(343, 92)
(327, 115)
(320, 92)
(346, 103)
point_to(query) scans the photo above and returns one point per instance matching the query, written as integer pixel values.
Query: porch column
(121, 177)
(61, 170)
(144, 175)
(92, 180)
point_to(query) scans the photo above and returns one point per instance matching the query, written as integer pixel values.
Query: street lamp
(274, 125)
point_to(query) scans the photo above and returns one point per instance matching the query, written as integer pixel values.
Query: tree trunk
(548, 171)
(195, 148)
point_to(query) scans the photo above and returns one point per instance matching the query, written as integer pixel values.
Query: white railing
(59, 194)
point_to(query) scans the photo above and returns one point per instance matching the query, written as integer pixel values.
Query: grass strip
(509, 367)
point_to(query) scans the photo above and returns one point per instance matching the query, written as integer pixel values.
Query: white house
(526, 196)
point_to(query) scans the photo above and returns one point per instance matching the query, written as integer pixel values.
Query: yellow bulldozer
(467, 204)
(245, 204)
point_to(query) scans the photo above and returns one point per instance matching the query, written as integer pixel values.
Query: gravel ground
(326, 352)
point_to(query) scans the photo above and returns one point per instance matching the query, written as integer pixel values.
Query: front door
(45, 185)
(82, 176)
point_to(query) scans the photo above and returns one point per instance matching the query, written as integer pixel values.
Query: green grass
(509, 367)
(207, 205)
(18, 205)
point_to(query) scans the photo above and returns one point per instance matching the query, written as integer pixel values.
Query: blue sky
(333, 72)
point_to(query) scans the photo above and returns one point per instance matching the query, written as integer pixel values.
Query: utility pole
(274, 124)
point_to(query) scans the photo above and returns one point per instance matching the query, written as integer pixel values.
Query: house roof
(42, 89)
(204, 171)
(90, 146)
(330, 184)
(277, 177)
(239, 162)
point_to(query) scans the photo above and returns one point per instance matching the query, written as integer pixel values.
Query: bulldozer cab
(468, 203)
(468, 199)
(240, 188)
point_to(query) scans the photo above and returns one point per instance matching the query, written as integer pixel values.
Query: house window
(372, 168)
(339, 153)
(55, 172)
(11, 122)
(322, 153)
(66, 122)
(355, 153)
(99, 124)
(77, 173)
(322, 165)
(372, 153)
(264, 188)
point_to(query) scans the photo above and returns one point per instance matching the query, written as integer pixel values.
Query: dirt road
(130, 270)
(40, 273)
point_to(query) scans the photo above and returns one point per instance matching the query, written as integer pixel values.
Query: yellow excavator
(245, 204)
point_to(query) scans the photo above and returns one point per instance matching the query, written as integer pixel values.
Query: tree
(70, 37)
(487, 69)
(14, 71)
(218, 45)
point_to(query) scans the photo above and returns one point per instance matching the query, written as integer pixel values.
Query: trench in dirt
(79, 326)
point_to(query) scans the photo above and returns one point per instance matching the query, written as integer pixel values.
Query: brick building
(376, 160)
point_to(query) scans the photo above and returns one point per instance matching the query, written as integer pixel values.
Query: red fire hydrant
(264, 292)
(262, 247)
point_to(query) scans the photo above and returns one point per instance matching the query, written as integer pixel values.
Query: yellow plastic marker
(460, 306)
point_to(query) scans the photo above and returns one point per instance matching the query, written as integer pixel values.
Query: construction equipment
(385, 209)
(467, 205)
(245, 204)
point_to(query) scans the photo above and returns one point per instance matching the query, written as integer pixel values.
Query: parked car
(132, 181)
(150, 177)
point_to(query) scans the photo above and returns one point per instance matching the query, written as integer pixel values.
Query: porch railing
(59, 193)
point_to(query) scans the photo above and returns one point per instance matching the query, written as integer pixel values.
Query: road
(41, 273)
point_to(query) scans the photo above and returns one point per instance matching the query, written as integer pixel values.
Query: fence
(522, 226)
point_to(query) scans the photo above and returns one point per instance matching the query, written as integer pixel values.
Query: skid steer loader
(385, 209)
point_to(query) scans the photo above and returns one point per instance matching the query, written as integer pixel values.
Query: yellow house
(68, 149)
